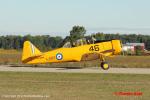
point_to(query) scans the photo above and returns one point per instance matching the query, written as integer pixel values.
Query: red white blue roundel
(59, 56)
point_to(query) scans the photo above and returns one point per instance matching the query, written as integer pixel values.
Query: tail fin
(29, 50)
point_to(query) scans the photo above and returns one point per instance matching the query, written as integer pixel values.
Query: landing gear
(104, 65)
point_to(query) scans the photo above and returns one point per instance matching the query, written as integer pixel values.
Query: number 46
(94, 48)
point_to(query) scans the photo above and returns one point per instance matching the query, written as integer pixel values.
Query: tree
(76, 33)
(139, 50)
(99, 36)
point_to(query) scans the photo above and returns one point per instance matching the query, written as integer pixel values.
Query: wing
(94, 56)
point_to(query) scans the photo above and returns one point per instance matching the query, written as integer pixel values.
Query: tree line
(43, 42)
(125, 38)
(47, 42)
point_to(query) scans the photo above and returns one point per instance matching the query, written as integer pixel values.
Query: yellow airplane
(31, 55)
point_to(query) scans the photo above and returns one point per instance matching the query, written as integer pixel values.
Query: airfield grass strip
(13, 57)
(73, 86)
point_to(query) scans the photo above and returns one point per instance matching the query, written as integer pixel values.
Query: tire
(104, 66)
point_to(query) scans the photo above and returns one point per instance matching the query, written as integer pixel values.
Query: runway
(83, 70)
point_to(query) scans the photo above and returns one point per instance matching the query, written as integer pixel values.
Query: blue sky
(56, 17)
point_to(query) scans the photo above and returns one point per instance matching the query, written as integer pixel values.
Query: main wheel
(104, 65)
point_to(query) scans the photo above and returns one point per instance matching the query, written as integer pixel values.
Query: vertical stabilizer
(29, 50)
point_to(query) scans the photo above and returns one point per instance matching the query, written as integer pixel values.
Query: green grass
(63, 86)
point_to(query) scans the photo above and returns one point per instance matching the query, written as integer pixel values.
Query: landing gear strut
(104, 65)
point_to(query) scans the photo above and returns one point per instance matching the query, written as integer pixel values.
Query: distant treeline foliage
(46, 42)
(125, 38)
(43, 42)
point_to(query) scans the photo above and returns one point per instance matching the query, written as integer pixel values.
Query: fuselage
(108, 48)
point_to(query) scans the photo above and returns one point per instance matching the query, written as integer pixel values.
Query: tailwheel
(104, 65)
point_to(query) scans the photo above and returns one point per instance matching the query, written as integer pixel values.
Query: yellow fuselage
(75, 53)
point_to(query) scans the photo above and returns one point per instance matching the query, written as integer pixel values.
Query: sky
(57, 17)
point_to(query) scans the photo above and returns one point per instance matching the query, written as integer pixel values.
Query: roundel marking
(59, 56)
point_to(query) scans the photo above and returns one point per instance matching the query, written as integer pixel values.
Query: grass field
(63, 86)
(10, 56)
(14, 57)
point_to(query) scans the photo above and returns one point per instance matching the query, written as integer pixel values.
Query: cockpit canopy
(66, 43)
